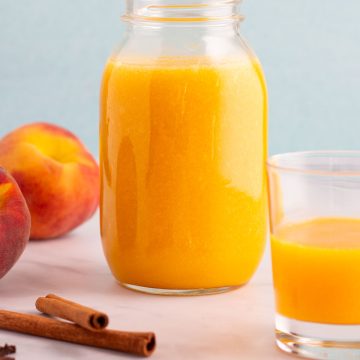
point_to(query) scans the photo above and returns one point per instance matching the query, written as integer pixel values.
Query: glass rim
(271, 162)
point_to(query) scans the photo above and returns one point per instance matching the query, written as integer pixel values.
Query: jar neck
(183, 12)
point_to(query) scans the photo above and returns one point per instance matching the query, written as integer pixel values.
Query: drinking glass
(315, 243)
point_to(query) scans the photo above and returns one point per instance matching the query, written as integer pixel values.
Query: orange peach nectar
(316, 269)
(183, 196)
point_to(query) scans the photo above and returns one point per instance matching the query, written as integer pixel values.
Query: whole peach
(14, 222)
(57, 175)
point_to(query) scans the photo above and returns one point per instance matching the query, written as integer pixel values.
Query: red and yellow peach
(58, 177)
(14, 222)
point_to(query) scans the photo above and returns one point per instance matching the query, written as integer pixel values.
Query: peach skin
(57, 175)
(14, 222)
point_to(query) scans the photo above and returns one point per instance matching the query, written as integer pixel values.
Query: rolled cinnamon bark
(142, 344)
(7, 350)
(84, 316)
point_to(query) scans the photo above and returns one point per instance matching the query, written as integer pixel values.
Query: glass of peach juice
(315, 245)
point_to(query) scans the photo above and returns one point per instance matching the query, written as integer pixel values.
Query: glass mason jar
(183, 143)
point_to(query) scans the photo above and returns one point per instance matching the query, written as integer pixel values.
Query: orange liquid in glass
(316, 269)
(183, 196)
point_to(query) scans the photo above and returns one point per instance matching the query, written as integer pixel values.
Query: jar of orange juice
(183, 142)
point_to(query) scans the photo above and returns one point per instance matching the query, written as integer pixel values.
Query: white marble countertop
(235, 325)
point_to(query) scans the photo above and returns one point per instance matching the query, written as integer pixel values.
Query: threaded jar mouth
(184, 12)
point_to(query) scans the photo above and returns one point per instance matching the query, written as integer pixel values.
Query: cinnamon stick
(84, 316)
(142, 344)
(7, 350)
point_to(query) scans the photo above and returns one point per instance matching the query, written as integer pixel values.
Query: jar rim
(172, 11)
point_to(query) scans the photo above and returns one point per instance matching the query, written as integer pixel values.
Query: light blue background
(52, 53)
